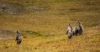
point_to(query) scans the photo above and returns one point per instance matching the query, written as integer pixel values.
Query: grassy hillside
(44, 31)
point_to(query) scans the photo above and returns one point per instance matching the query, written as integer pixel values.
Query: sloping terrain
(45, 31)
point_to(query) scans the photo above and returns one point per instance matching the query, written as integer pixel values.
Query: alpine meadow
(41, 25)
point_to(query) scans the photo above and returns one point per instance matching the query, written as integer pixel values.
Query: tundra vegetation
(43, 25)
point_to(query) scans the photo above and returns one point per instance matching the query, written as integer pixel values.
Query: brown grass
(49, 28)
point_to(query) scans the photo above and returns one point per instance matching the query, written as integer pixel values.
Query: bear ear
(78, 22)
(69, 25)
(17, 32)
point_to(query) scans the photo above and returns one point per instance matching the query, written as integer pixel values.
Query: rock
(10, 8)
(17, 9)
